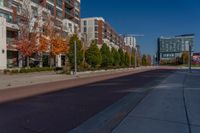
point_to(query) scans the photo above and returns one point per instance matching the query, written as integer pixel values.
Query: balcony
(9, 40)
(69, 14)
(5, 3)
(69, 4)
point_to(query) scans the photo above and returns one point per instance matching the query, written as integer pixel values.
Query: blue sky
(152, 18)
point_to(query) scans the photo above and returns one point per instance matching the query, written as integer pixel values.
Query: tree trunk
(41, 60)
(51, 61)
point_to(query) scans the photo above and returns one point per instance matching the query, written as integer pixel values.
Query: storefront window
(12, 59)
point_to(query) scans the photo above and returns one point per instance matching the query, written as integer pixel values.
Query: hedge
(27, 70)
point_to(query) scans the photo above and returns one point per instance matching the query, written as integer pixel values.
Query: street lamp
(75, 59)
(130, 62)
(190, 58)
(85, 45)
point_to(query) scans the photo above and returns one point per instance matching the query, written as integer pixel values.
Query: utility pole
(85, 45)
(75, 58)
(130, 64)
(190, 58)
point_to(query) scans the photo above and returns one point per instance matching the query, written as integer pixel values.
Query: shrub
(6, 71)
(27, 70)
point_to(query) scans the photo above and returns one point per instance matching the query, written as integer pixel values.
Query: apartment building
(67, 10)
(66, 14)
(96, 28)
(130, 41)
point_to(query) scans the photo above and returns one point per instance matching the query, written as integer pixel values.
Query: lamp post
(190, 58)
(75, 59)
(84, 47)
(130, 61)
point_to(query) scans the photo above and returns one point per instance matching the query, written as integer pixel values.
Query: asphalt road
(62, 111)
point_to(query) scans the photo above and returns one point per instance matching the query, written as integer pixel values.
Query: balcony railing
(69, 4)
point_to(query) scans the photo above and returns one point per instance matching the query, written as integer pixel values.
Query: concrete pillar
(58, 61)
(20, 59)
(3, 47)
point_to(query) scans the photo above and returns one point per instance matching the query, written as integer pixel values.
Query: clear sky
(152, 18)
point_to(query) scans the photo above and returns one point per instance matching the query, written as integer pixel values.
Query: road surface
(61, 111)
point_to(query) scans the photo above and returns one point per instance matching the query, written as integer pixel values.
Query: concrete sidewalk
(172, 107)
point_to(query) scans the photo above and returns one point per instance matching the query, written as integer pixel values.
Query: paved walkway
(172, 107)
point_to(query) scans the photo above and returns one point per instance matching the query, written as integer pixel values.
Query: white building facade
(67, 17)
(3, 49)
(130, 41)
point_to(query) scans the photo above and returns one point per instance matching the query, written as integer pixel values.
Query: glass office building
(171, 48)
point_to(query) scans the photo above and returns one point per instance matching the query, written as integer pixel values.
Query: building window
(8, 17)
(51, 8)
(77, 14)
(35, 1)
(85, 29)
(59, 3)
(96, 22)
(96, 35)
(5, 3)
(1, 3)
(59, 13)
(85, 22)
(183, 47)
(96, 28)
(77, 4)
(70, 27)
(52, 1)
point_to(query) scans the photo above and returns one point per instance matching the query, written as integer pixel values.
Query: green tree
(133, 57)
(139, 59)
(122, 59)
(144, 60)
(149, 60)
(79, 51)
(93, 55)
(126, 59)
(185, 58)
(116, 57)
(106, 56)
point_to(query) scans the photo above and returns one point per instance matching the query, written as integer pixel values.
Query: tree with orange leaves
(52, 40)
(59, 45)
(43, 44)
(26, 46)
(26, 42)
